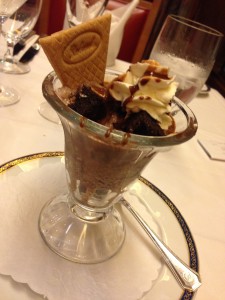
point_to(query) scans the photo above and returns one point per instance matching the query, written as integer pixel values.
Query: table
(186, 174)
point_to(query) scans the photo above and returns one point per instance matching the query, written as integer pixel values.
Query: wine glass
(19, 25)
(77, 11)
(189, 49)
(8, 95)
(85, 226)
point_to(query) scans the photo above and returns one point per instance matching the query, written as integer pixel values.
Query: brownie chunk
(142, 123)
(89, 104)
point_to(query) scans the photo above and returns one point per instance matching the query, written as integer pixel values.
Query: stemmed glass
(8, 95)
(77, 11)
(84, 225)
(189, 49)
(19, 25)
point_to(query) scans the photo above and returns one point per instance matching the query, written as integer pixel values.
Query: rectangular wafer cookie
(79, 54)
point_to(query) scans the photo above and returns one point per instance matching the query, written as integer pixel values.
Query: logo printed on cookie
(82, 47)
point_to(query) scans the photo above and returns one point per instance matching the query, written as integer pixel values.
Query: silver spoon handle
(186, 277)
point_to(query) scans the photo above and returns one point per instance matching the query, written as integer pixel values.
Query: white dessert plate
(172, 227)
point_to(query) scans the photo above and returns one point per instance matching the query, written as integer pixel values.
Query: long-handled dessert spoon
(186, 277)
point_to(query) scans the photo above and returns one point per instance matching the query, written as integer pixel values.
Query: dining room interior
(144, 26)
(178, 197)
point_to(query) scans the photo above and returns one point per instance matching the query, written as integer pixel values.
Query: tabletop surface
(186, 174)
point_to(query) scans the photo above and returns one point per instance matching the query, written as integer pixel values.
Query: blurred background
(143, 27)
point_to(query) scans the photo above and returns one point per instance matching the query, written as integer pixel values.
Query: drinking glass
(19, 25)
(189, 49)
(84, 225)
(77, 12)
(8, 95)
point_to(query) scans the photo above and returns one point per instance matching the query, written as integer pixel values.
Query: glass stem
(2, 20)
(8, 56)
(88, 215)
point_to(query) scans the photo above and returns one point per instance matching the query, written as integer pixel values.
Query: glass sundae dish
(101, 162)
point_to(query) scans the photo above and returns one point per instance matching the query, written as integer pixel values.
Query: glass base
(14, 67)
(8, 96)
(80, 235)
(47, 112)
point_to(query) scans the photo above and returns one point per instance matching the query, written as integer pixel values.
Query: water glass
(189, 49)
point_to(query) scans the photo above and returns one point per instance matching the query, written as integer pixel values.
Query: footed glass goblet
(84, 226)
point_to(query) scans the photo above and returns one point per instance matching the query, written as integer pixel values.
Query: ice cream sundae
(112, 129)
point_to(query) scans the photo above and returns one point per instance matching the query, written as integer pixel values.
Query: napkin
(23, 254)
(212, 144)
(119, 18)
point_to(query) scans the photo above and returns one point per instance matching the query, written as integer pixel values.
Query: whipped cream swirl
(146, 86)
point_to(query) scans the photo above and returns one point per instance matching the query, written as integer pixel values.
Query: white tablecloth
(186, 174)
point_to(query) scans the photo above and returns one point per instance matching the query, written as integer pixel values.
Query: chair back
(51, 18)
(138, 28)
